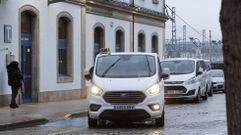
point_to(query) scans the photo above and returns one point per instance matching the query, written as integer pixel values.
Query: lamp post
(198, 45)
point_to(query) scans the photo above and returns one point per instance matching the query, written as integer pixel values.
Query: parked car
(126, 87)
(218, 81)
(187, 79)
(208, 77)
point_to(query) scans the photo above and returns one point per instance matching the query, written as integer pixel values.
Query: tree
(230, 19)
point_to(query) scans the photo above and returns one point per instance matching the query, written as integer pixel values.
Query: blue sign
(7, 33)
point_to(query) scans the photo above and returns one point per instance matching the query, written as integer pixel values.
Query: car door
(201, 77)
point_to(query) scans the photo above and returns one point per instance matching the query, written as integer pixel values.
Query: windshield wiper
(176, 73)
(109, 68)
(149, 68)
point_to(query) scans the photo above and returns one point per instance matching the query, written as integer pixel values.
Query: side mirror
(200, 71)
(165, 73)
(89, 74)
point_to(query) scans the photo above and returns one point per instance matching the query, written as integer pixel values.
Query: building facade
(55, 43)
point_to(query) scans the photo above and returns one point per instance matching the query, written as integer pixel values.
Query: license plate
(173, 92)
(124, 107)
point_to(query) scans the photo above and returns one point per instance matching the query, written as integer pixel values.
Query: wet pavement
(184, 118)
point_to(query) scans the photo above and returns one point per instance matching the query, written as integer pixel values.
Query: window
(155, 1)
(119, 41)
(154, 41)
(200, 66)
(98, 40)
(141, 42)
(64, 48)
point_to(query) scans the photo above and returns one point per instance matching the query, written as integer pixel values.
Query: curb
(20, 124)
(39, 121)
(77, 114)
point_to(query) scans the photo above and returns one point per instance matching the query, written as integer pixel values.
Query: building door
(26, 66)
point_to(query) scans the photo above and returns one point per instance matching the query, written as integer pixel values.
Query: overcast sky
(201, 14)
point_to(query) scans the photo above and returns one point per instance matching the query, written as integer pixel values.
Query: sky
(201, 14)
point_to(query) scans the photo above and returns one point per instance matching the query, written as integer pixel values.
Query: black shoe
(16, 105)
(12, 106)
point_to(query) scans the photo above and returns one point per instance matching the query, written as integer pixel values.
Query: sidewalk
(41, 112)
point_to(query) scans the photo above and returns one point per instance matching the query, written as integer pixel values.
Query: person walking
(15, 81)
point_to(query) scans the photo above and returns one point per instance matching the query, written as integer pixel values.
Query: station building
(56, 41)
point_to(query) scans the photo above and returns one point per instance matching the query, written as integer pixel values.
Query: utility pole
(204, 36)
(184, 39)
(174, 31)
(210, 44)
(203, 42)
(184, 34)
(210, 37)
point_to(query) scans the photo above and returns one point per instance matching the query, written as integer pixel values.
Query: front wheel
(210, 93)
(198, 97)
(205, 97)
(92, 122)
(159, 122)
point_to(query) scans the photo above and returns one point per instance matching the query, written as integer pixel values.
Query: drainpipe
(133, 27)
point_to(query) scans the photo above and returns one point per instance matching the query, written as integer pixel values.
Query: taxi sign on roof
(104, 50)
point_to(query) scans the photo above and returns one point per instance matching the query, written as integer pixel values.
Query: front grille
(220, 86)
(174, 82)
(182, 89)
(127, 115)
(132, 97)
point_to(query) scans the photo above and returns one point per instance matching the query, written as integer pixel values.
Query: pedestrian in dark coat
(14, 80)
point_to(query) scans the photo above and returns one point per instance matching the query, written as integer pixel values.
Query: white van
(187, 79)
(126, 87)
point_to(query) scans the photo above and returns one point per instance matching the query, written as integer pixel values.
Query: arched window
(141, 42)
(98, 40)
(154, 42)
(64, 46)
(119, 41)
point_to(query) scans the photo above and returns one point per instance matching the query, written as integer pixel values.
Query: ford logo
(123, 95)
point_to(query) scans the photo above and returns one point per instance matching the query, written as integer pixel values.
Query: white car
(218, 82)
(187, 79)
(126, 87)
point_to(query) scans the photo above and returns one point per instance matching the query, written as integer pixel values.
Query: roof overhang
(78, 2)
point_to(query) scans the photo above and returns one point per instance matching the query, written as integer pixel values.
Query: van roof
(171, 59)
(129, 53)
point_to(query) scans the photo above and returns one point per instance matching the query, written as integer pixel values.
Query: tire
(102, 123)
(198, 97)
(92, 122)
(210, 93)
(160, 122)
(205, 97)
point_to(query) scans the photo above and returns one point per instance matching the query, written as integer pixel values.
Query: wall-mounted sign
(7, 33)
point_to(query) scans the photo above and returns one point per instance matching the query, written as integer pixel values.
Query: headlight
(153, 90)
(96, 91)
(190, 81)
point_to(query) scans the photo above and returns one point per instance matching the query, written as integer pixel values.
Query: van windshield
(125, 66)
(179, 66)
(217, 73)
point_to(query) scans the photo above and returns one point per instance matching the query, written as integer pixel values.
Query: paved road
(185, 118)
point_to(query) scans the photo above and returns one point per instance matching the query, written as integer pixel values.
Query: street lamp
(198, 50)
(193, 39)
